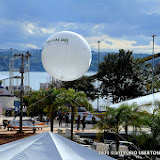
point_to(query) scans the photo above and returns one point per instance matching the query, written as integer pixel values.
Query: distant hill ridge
(36, 63)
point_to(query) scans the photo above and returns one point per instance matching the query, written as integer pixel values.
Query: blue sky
(127, 24)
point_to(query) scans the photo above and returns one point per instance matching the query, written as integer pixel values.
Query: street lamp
(11, 52)
(98, 80)
(152, 60)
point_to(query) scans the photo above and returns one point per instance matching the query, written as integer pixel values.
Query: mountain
(36, 63)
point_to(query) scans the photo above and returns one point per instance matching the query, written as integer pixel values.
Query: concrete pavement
(56, 127)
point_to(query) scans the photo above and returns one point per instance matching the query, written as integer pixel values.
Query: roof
(3, 77)
(47, 146)
(140, 101)
(4, 92)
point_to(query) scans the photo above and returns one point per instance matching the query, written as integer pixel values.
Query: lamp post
(98, 80)
(11, 52)
(153, 60)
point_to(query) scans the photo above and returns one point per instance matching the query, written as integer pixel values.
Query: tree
(113, 121)
(127, 117)
(73, 99)
(152, 121)
(157, 69)
(121, 75)
(132, 116)
(36, 103)
(52, 104)
(156, 76)
(85, 84)
(118, 118)
(43, 102)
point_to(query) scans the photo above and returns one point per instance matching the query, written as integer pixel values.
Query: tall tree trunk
(117, 140)
(126, 130)
(52, 122)
(72, 119)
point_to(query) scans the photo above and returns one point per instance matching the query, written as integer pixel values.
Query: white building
(6, 98)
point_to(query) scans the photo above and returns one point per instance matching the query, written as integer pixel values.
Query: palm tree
(42, 102)
(52, 104)
(73, 99)
(111, 122)
(36, 103)
(48, 102)
(152, 121)
(115, 120)
(132, 116)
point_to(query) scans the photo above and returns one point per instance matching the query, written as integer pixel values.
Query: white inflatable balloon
(66, 56)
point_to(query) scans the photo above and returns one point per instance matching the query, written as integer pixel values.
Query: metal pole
(11, 52)
(98, 80)
(10, 72)
(21, 89)
(153, 60)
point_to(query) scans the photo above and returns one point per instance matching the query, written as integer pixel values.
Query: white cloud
(67, 26)
(151, 8)
(29, 45)
(108, 43)
(30, 28)
(34, 29)
(35, 35)
(47, 30)
(114, 44)
(97, 28)
(153, 11)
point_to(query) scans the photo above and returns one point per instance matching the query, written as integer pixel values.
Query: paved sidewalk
(56, 126)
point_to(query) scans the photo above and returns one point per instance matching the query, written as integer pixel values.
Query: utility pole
(153, 60)
(98, 80)
(21, 90)
(21, 70)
